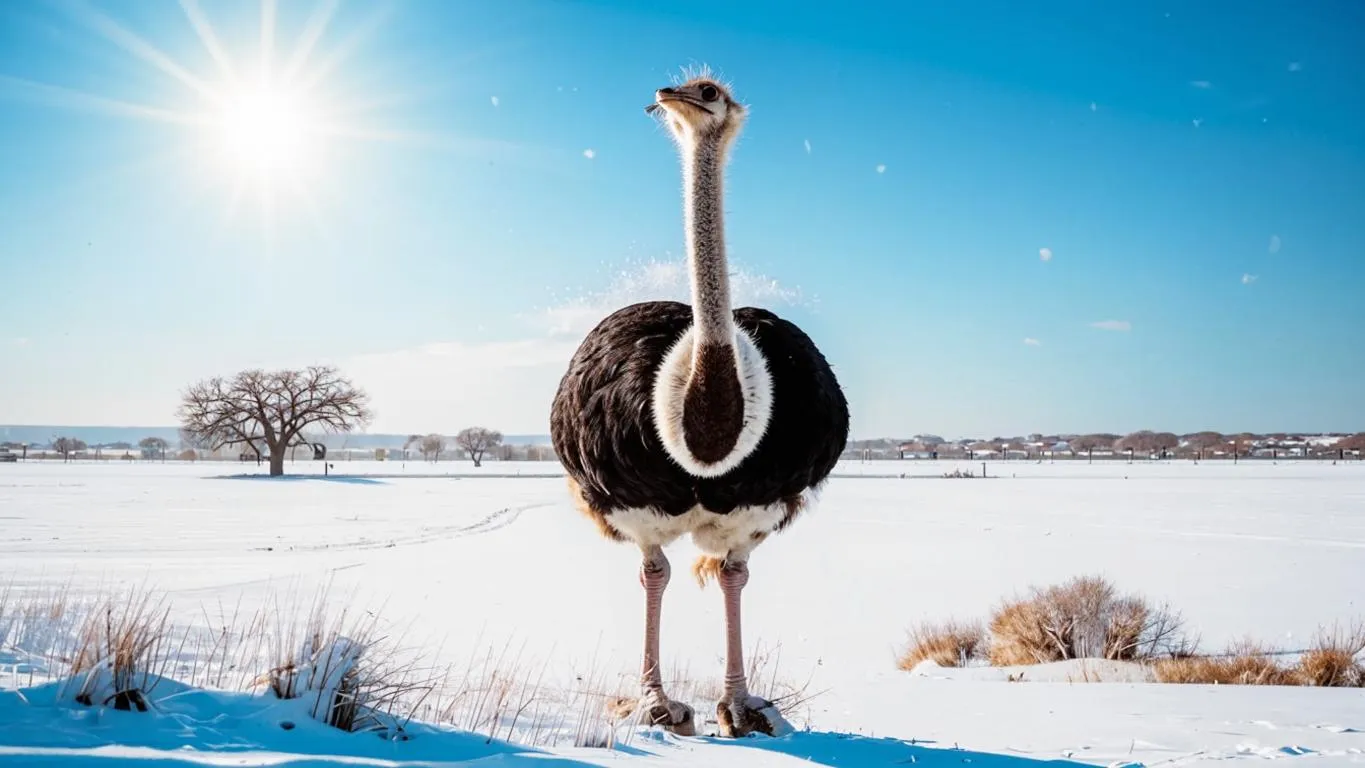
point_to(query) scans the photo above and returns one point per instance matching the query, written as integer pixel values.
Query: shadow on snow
(853, 751)
(349, 479)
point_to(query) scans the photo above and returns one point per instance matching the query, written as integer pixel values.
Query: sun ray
(347, 47)
(412, 93)
(118, 35)
(119, 175)
(428, 139)
(263, 122)
(209, 38)
(310, 205)
(265, 216)
(62, 96)
(234, 201)
(312, 32)
(267, 38)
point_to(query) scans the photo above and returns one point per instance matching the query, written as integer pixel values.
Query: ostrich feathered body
(603, 429)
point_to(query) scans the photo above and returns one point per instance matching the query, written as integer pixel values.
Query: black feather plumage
(602, 421)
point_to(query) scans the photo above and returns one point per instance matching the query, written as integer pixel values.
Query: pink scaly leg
(739, 713)
(655, 706)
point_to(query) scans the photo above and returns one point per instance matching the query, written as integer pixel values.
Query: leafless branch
(271, 409)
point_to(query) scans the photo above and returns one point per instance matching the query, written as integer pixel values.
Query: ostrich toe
(657, 709)
(738, 718)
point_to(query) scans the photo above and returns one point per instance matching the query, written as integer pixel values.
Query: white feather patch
(670, 385)
(725, 536)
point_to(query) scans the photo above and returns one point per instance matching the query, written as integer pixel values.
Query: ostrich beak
(665, 94)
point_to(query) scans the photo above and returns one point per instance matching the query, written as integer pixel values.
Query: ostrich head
(699, 109)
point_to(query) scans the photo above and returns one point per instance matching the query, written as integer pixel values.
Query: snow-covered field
(461, 561)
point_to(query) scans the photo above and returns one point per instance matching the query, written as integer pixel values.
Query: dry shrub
(949, 644)
(1018, 636)
(120, 652)
(1333, 660)
(1243, 663)
(1083, 618)
(348, 670)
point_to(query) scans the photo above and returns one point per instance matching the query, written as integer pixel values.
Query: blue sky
(477, 183)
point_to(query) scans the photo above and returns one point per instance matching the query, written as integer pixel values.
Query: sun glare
(267, 117)
(264, 130)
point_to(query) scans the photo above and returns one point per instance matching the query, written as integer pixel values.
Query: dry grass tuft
(949, 644)
(350, 668)
(1083, 618)
(1243, 663)
(348, 671)
(1334, 660)
(1018, 635)
(120, 652)
(763, 674)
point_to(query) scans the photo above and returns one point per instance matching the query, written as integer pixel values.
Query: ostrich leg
(739, 713)
(655, 707)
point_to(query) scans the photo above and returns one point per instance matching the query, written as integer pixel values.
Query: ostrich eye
(709, 93)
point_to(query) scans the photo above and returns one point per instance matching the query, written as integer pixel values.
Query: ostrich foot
(657, 709)
(741, 717)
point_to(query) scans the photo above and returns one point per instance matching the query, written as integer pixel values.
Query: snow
(459, 561)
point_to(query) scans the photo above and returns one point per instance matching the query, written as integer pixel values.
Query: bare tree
(432, 445)
(1165, 442)
(476, 441)
(271, 409)
(1206, 440)
(67, 446)
(1242, 442)
(1201, 443)
(153, 447)
(410, 442)
(1148, 442)
(1092, 442)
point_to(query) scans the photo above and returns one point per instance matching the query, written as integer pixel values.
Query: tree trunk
(276, 463)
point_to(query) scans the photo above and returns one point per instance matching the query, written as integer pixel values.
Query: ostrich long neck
(713, 401)
(703, 182)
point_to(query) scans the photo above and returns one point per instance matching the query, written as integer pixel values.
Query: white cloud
(590, 153)
(1203, 85)
(881, 168)
(509, 384)
(1032, 342)
(1113, 325)
(1248, 279)
(807, 142)
(19, 341)
(493, 99)
(1045, 254)
(1274, 246)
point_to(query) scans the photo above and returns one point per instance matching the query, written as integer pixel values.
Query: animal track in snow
(425, 535)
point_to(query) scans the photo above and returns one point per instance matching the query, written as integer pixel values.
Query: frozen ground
(466, 559)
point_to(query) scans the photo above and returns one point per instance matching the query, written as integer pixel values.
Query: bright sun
(272, 120)
(265, 131)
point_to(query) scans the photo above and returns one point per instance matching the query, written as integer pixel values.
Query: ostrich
(698, 419)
